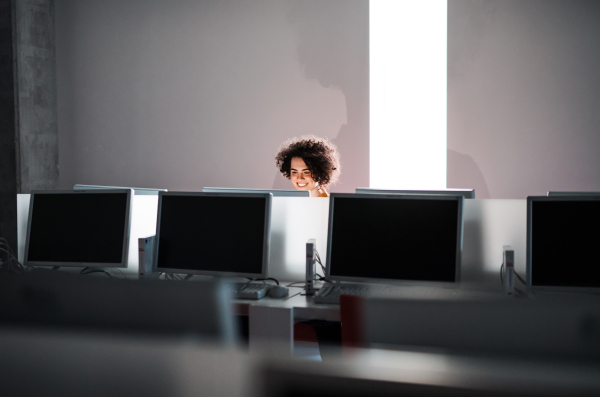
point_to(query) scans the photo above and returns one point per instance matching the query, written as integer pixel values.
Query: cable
(123, 273)
(5, 242)
(318, 259)
(173, 277)
(516, 274)
(170, 276)
(263, 279)
(98, 271)
(518, 292)
(17, 267)
(291, 285)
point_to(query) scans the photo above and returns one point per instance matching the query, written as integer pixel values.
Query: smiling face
(300, 175)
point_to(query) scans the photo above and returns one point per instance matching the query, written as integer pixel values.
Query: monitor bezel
(138, 191)
(274, 192)
(529, 248)
(266, 236)
(572, 194)
(466, 193)
(459, 242)
(124, 254)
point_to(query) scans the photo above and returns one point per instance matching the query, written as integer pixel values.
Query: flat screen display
(402, 238)
(78, 228)
(213, 233)
(563, 236)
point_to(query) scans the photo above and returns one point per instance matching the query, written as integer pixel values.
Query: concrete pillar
(36, 81)
(28, 113)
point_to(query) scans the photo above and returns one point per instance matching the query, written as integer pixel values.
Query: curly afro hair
(320, 155)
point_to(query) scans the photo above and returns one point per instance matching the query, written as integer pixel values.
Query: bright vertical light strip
(408, 46)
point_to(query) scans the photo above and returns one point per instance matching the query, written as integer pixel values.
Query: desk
(558, 323)
(375, 372)
(45, 363)
(272, 320)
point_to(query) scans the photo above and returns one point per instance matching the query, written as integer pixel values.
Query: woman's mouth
(302, 184)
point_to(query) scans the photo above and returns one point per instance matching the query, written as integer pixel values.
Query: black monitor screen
(394, 238)
(564, 238)
(78, 228)
(208, 234)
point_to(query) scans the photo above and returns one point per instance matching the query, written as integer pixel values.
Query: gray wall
(523, 96)
(182, 94)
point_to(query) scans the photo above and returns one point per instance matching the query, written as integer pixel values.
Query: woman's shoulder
(324, 194)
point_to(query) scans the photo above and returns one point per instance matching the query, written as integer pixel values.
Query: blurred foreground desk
(379, 373)
(272, 320)
(50, 363)
(73, 364)
(481, 321)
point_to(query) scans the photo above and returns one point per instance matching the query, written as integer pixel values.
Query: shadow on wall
(464, 173)
(333, 48)
(281, 182)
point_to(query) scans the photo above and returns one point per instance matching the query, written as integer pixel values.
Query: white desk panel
(22, 217)
(295, 220)
(490, 224)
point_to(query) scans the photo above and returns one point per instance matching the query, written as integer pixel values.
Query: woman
(311, 164)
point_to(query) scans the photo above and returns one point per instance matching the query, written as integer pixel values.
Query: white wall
(523, 96)
(182, 94)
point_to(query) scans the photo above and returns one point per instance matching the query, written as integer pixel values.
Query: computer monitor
(391, 238)
(562, 243)
(571, 194)
(274, 192)
(213, 234)
(78, 228)
(138, 191)
(466, 193)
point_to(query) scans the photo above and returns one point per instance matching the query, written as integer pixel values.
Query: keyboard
(249, 290)
(330, 293)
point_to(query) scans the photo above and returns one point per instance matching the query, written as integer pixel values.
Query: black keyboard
(249, 290)
(330, 293)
